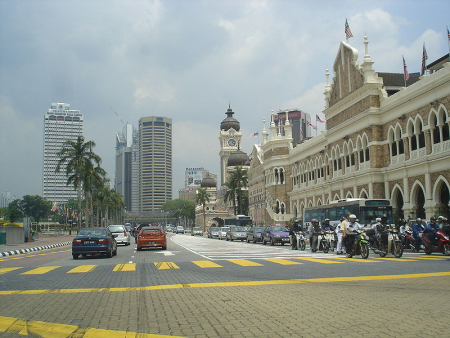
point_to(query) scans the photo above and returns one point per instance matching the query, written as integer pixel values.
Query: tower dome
(237, 158)
(208, 182)
(230, 122)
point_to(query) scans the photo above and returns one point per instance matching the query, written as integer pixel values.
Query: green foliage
(180, 208)
(36, 207)
(236, 182)
(14, 211)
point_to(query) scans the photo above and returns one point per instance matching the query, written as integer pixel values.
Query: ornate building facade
(383, 140)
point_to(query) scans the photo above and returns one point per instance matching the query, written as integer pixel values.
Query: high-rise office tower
(155, 154)
(60, 124)
(300, 121)
(127, 167)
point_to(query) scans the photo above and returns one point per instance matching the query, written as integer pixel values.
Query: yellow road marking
(281, 261)
(206, 264)
(428, 258)
(244, 262)
(318, 260)
(403, 259)
(355, 259)
(36, 328)
(82, 269)
(166, 265)
(5, 270)
(125, 267)
(228, 284)
(40, 271)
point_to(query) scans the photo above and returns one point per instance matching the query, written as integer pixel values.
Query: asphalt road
(202, 287)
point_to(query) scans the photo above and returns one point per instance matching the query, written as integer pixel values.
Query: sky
(187, 60)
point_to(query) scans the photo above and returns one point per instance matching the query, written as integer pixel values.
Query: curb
(22, 251)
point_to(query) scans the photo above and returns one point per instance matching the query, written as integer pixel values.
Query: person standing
(344, 228)
(339, 234)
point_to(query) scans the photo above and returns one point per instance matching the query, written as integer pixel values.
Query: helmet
(402, 221)
(432, 218)
(378, 219)
(418, 219)
(352, 216)
(295, 220)
(314, 220)
(441, 218)
(326, 220)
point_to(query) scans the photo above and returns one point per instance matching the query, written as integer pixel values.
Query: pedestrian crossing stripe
(5, 270)
(318, 260)
(125, 267)
(244, 262)
(40, 271)
(207, 264)
(166, 265)
(281, 261)
(82, 269)
(362, 260)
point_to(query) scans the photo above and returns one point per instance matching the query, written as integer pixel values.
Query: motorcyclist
(402, 228)
(417, 231)
(351, 227)
(315, 230)
(372, 233)
(432, 229)
(326, 226)
(293, 233)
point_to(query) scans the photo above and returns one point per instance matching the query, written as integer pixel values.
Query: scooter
(394, 245)
(409, 241)
(301, 240)
(360, 246)
(331, 239)
(443, 244)
(320, 243)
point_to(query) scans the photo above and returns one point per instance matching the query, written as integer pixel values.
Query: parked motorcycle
(443, 243)
(360, 246)
(394, 245)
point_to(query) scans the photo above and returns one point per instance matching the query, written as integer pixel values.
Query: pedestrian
(339, 238)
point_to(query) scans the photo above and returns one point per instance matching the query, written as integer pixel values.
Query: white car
(179, 230)
(123, 236)
(223, 232)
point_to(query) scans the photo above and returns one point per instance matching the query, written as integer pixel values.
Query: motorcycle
(409, 241)
(360, 246)
(443, 243)
(331, 239)
(394, 245)
(301, 240)
(320, 243)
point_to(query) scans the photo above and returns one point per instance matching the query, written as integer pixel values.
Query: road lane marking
(403, 259)
(281, 261)
(207, 264)
(36, 328)
(361, 260)
(166, 265)
(428, 258)
(125, 267)
(82, 269)
(318, 260)
(244, 262)
(41, 270)
(5, 270)
(229, 284)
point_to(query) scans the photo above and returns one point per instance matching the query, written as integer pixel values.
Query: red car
(151, 237)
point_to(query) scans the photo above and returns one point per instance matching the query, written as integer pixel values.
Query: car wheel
(109, 254)
(115, 252)
(248, 240)
(254, 240)
(75, 256)
(164, 247)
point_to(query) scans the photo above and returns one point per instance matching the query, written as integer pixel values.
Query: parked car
(254, 234)
(92, 241)
(276, 233)
(197, 231)
(213, 232)
(179, 230)
(238, 233)
(151, 237)
(223, 232)
(123, 236)
(169, 228)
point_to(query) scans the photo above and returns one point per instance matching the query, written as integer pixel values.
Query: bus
(239, 220)
(366, 210)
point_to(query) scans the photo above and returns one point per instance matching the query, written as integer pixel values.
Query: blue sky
(186, 60)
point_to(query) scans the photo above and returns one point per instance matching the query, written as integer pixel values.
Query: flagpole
(448, 42)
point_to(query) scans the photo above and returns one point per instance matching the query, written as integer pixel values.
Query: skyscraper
(127, 167)
(155, 154)
(60, 124)
(300, 121)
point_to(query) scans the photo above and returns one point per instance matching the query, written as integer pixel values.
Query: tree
(201, 198)
(14, 211)
(180, 208)
(36, 206)
(77, 156)
(237, 180)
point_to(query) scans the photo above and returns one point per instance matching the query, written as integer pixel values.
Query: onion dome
(237, 158)
(230, 122)
(208, 182)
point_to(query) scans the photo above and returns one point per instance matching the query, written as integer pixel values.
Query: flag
(348, 32)
(448, 35)
(254, 134)
(55, 206)
(318, 119)
(311, 125)
(405, 70)
(424, 60)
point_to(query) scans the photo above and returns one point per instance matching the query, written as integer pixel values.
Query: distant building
(6, 198)
(193, 178)
(155, 158)
(127, 167)
(300, 121)
(60, 124)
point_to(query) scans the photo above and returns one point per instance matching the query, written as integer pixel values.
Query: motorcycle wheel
(302, 245)
(332, 245)
(325, 247)
(427, 251)
(382, 252)
(398, 250)
(446, 250)
(364, 250)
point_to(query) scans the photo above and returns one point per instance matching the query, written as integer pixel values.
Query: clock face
(231, 142)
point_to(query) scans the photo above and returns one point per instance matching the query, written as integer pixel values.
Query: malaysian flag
(405, 70)
(318, 119)
(311, 125)
(348, 32)
(424, 60)
(448, 35)
(254, 134)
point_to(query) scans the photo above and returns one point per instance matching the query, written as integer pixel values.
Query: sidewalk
(43, 242)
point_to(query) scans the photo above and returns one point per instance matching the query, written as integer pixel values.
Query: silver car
(223, 232)
(121, 234)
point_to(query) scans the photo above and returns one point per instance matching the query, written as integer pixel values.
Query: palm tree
(202, 198)
(230, 194)
(94, 180)
(76, 156)
(237, 180)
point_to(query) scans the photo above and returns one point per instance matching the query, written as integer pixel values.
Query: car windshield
(214, 229)
(150, 230)
(197, 229)
(115, 228)
(258, 229)
(279, 228)
(92, 232)
(225, 229)
(238, 229)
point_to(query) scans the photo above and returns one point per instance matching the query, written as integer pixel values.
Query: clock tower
(230, 139)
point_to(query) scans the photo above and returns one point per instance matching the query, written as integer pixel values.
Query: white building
(60, 124)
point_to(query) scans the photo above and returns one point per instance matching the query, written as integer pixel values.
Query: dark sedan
(277, 233)
(93, 241)
(254, 234)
